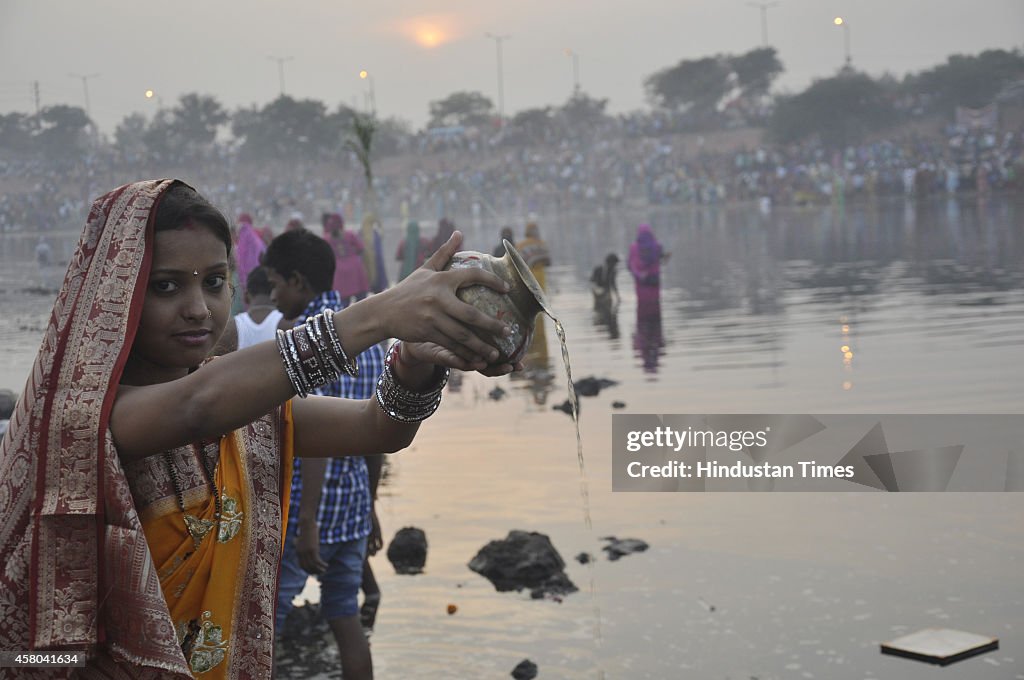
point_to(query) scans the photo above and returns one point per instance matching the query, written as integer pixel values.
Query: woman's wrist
(404, 402)
(362, 324)
(412, 373)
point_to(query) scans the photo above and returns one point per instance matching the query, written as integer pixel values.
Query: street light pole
(159, 100)
(763, 6)
(368, 77)
(575, 70)
(840, 21)
(280, 69)
(498, 39)
(85, 89)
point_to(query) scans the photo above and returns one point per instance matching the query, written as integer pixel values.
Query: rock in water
(591, 386)
(617, 547)
(566, 407)
(524, 559)
(408, 551)
(525, 670)
(305, 646)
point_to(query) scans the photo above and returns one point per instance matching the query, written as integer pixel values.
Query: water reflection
(537, 376)
(746, 291)
(648, 339)
(606, 318)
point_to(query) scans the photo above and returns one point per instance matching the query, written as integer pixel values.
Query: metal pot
(518, 308)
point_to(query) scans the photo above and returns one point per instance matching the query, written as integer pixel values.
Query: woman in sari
(350, 278)
(412, 250)
(142, 496)
(535, 253)
(445, 229)
(250, 246)
(373, 255)
(645, 258)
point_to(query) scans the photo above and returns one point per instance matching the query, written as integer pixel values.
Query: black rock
(497, 394)
(525, 670)
(617, 548)
(305, 647)
(591, 386)
(584, 558)
(523, 560)
(554, 587)
(565, 407)
(618, 404)
(408, 551)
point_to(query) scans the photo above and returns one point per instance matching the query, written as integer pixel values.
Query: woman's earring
(209, 314)
(195, 272)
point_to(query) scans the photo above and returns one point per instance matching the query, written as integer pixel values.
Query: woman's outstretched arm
(238, 388)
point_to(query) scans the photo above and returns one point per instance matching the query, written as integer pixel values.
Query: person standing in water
(603, 284)
(331, 503)
(645, 258)
(506, 235)
(535, 253)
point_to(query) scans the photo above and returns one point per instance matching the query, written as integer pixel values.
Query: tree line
(708, 93)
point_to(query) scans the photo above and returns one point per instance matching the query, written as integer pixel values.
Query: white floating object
(940, 646)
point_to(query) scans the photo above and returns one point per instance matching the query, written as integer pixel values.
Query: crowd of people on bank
(584, 171)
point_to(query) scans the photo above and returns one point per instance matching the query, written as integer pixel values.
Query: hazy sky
(422, 51)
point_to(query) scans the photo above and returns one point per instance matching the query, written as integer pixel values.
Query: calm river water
(928, 299)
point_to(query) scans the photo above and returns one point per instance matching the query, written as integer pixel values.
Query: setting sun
(430, 32)
(429, 37)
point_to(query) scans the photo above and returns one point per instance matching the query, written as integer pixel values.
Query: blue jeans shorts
(339, 584)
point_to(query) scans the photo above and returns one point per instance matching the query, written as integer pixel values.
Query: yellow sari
(535, 253)
(219, 578)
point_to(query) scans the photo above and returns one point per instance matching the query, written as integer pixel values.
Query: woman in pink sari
(250, 247)
(350, 279)
(645, 258)
(142, 501)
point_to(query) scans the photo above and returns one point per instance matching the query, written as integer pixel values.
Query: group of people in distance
(358, 257)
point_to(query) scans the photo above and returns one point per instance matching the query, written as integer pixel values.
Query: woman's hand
(430, 353)
(423, 308)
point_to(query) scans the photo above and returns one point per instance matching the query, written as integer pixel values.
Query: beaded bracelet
(399, 402)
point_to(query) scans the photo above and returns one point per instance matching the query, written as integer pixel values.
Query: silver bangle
(312, 354)
(289, 368)
(315, 331)
(293, 351)
(399, 402)
(347, 364)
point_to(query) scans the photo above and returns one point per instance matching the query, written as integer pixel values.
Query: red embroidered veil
(77, 573)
